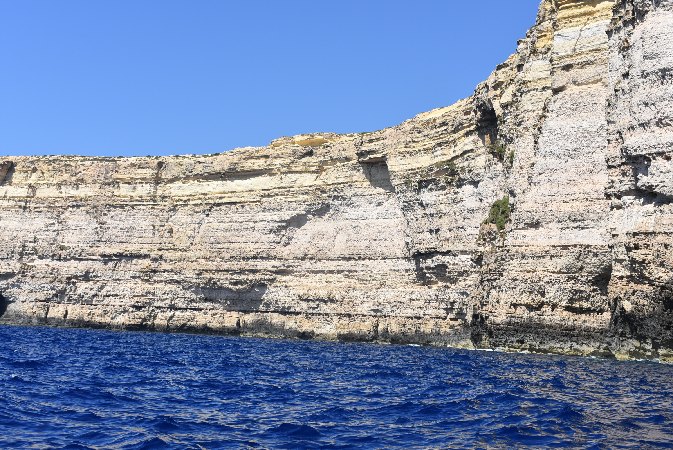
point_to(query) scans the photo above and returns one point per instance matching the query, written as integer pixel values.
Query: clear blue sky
(153, 77)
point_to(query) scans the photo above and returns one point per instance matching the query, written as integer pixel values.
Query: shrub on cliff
(498, 150)
(499, 213)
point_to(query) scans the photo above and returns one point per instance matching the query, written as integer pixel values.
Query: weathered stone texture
(381, 236)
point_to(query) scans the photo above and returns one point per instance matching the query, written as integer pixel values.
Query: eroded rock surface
(382, 236)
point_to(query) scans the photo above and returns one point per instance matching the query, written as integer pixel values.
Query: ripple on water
(98, 389)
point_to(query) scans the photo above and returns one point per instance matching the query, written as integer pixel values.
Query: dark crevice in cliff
(6, 172)
(479, 331)
(430, 274)
(654, 198)
(582, 310)
(430, 271)
(602, 279)
(4, 302)
(120, 256)
(650, 321)
(647, 197)
(487, 123)
(377, 173)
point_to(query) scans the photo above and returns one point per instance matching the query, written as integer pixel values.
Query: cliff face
(382, 236)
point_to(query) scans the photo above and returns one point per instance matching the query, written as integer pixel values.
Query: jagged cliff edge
(385, 235)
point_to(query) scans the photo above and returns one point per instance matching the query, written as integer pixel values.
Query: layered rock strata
(387, 235)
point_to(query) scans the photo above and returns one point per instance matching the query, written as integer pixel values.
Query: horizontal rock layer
(390, 235)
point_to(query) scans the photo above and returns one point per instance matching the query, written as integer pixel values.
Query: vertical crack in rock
(487, 122)
(640, 118)
(4, 303)
(636, 322)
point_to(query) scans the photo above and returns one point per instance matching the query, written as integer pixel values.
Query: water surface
(78, 389)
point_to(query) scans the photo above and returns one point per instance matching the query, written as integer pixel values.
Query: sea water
(79, 389)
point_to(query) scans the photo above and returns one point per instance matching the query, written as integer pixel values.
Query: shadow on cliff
(4, 302)
(650, 323)
(487, 122)
(378, 175)
(6, 172)
(247, 298)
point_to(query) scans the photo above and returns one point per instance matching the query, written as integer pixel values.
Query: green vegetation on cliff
(499, 213)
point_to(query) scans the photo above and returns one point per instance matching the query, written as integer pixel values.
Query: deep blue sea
(79, 389)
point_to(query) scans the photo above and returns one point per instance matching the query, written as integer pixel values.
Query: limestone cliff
(535, 215)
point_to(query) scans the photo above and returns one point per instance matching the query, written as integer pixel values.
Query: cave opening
(378, 174)
(487, 124)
